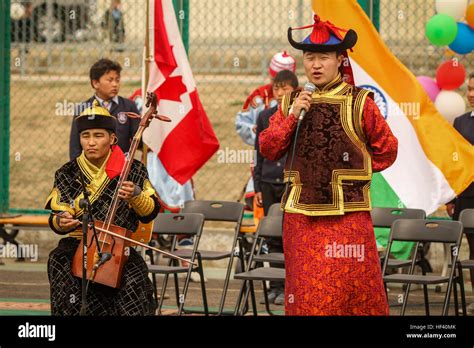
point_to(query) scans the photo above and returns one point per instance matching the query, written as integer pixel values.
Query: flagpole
(145, 73)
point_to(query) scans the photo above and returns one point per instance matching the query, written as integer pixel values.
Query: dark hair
(102, 67)
(471, 75)
(286, 77)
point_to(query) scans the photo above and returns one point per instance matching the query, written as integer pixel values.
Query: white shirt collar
(101, 101)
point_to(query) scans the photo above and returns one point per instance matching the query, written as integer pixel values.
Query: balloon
(441, 29)
(430, 86)
(450, 75)
(450, 104)
(464, 41)
(453, 8)
(470, 15)
(17, 11)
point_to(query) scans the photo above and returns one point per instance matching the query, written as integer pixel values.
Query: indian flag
(434, 163)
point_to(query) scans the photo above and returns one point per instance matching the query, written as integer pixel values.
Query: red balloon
(450, 75)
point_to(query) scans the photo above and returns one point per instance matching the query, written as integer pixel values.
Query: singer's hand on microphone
(302, 102)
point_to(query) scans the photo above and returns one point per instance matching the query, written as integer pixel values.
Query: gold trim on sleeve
(142, 204)
(54, 201)
(287, 101)
(148, 188)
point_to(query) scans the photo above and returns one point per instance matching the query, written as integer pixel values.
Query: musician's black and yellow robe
(135, 295)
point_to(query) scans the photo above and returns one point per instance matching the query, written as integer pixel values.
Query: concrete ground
(24, 290)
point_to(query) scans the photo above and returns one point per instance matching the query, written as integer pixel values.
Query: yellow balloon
(448, 53)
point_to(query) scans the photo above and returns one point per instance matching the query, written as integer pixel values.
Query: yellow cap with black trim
(95, 116)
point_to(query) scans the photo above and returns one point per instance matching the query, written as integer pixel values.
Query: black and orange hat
(95, 116)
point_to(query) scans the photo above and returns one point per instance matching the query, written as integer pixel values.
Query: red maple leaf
(171, 89)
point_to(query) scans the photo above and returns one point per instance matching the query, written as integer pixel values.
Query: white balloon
(454, 8)
(450, 104)
(17, 11)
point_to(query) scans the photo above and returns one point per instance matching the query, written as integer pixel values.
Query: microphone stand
(87, 221)
(84, 204)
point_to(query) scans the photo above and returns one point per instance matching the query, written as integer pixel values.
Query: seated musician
(100, 163)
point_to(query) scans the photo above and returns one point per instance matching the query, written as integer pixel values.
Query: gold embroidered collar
(331, 85)
(98, 178)
(89, 169)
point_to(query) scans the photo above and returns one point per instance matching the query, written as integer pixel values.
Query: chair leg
(185, 289)
(265, 297)
(427, 303)
(229, 270)
(245, 307)
(405, 299)
(176, 289)
(203, 285)
(267, 304)
(176, 284)
(153, 276)
(447, 298)
(162, 296)
(252, 297)
(244, 284)
(239, 298)
(155, 290)
(242, 255)
(455, 294)
(461, 286)
(452, 278)
(241, 307)
(226, 283)
(203, 290)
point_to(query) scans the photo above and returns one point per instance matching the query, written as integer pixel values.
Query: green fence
(4, 104)
(229, 45)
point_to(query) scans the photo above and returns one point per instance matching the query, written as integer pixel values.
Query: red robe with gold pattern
(264, 92)
(322, 278)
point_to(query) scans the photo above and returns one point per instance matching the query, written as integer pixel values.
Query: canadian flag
(185, 144)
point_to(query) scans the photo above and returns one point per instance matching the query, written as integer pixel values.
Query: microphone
(103, 259)
(310, 87)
